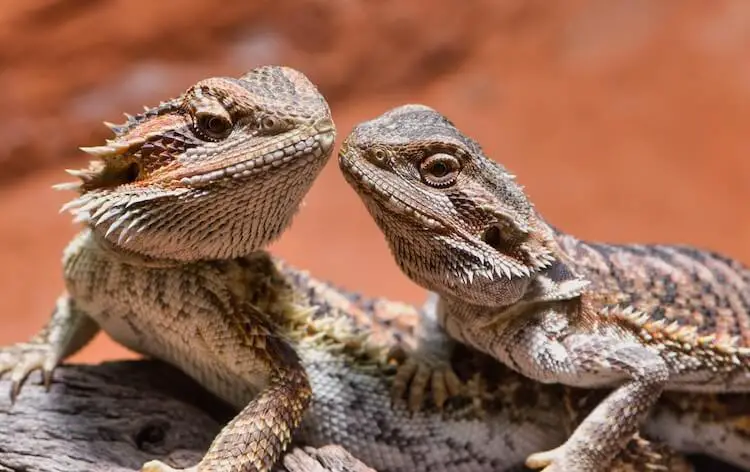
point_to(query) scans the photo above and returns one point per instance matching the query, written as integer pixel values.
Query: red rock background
(626, 120)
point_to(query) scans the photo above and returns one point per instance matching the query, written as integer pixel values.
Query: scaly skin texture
(639, 319)
(344, 342)
(172, 206)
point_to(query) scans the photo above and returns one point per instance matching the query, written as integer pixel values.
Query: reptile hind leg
(427, 363)
(67, 331)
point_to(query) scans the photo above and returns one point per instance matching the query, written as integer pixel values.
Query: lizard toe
(545, 460)
(23, 359)
(418, 375)
(403, 378)
(159, 466)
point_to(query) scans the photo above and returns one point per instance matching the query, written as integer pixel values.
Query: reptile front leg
(255, 439)
(639, 454)
(246, 344)
(540, 349)
(67, 331)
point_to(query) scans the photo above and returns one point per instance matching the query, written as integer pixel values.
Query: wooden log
(117, 415)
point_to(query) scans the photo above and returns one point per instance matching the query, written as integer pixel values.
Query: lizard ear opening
(493, 237)
(504, 235)
(557, 282)
(531, 249)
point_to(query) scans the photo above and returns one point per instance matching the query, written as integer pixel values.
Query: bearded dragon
(172, 204)
(635, 319)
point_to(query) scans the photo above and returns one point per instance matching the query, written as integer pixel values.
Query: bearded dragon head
(216, 173)
(456, 221)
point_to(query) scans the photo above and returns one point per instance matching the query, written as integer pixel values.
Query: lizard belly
(176, 347)
(159, 313)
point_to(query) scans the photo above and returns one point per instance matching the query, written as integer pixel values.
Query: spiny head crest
(201, 176)
(456, 220)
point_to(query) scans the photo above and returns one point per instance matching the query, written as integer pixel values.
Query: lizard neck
(129, 257)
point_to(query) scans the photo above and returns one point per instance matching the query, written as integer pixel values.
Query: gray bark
(116, 416)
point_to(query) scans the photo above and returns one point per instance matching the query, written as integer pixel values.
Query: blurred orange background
(626, 120)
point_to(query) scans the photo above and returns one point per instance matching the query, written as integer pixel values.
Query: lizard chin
(472, 273)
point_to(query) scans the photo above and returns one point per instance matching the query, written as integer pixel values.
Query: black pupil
(439, 169)
(216, 125)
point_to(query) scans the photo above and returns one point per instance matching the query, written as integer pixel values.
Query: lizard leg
(67, 331)
(587, 360)
(639, 454)
(255, 439)
(428, 363)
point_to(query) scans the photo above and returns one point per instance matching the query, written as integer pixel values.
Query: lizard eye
(213, 127)
(439, 170)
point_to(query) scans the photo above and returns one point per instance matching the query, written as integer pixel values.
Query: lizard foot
(159, 466)
(24, 358)
(416, 372)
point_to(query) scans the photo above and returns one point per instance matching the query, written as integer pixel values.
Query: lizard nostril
(325, 125)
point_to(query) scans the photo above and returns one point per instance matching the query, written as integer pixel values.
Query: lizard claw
(159, 466)
(547, 460)
(416, 372)
(24, 358)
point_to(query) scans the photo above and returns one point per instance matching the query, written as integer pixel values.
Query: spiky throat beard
(219, 221)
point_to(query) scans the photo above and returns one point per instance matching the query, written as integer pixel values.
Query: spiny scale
(673, 331)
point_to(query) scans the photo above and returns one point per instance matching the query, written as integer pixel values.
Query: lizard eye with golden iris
(439, 170)
(213, 126)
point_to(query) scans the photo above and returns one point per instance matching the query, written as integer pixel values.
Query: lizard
(634, 319)
(171, 205)
(170, 265)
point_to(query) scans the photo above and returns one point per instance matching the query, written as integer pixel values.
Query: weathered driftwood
(115, 416)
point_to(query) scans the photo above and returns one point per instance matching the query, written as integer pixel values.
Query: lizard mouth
(372, 184)
(271, 156)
